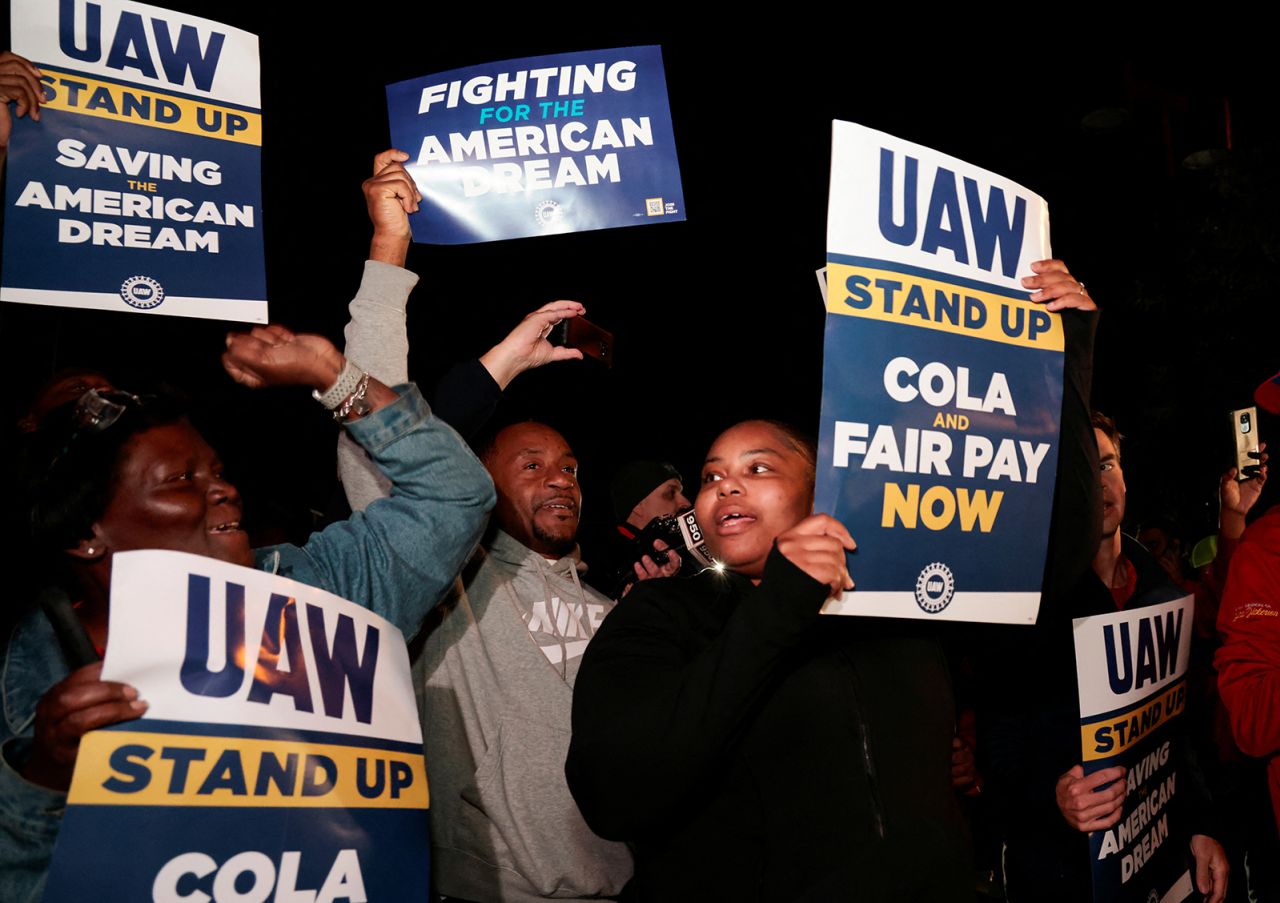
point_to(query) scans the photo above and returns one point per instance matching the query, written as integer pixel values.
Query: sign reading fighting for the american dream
(942, 384)
(536, 146)
(1131, 667)
(280, 757)
(140, 187)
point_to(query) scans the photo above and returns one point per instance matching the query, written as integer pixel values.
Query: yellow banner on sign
(895, 297)
(131, 103)
(1106, 737)
(128, 768)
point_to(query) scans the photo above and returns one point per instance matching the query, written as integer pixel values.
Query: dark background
(719, 318)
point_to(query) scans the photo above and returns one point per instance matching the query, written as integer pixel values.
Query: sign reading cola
(942, 384)
(280, 757)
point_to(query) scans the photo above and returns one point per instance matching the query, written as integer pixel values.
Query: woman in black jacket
(749, 748)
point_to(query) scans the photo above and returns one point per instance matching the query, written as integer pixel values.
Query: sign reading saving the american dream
(1132, 670)
(941, 387)
(280, 758)
(139, 189)
(538, 146)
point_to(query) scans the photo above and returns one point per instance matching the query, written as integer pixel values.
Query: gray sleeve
(378, 343)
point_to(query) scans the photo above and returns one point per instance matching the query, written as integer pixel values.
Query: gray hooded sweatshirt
(495, 684)
(494, 681)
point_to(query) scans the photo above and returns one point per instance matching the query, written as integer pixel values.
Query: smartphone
(586, 336)
(1244, 428)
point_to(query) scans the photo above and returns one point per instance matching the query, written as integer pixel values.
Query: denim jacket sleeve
(29, 819)
(29, 814)
(401, 554)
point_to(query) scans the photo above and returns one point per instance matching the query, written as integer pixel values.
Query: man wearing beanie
(640, 492)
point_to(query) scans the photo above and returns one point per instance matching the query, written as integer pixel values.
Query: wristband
(342, 387)
(357, 403)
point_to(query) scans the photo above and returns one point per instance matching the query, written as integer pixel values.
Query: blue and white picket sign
(1131, 667)
(140, 187)
(942, 384)
(280, 757)
(538, 146)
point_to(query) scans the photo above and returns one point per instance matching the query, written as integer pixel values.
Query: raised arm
(1077, 501)
(402, 553)
(400, 556)
(377, 338)
(1236, 499)
(378, 341)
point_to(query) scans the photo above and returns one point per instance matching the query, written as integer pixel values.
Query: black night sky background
(1159, 167)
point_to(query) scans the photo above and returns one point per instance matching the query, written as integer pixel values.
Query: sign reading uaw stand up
(1131, 668)
(537, 146)
(280, 757)
(139, 189)
(942, 384)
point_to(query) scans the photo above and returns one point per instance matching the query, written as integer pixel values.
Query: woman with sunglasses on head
(113, 472)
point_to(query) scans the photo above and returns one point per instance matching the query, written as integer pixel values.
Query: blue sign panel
(1131, 667)
(942, 384)
(139, 189)
(280, 756)
(242, 814)
(538, 146)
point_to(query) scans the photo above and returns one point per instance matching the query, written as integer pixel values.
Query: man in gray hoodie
(495, 679)
(496, 669)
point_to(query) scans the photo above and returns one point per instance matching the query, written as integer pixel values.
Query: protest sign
(536, 146)
(1131, 667)
(941, 387)
(280, 757)
(140, 187)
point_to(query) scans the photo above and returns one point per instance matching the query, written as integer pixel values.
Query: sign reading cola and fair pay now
(942, 384)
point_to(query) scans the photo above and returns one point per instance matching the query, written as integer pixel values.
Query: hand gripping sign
(942, 384)
(139, 189)
(538, 146)
(280, 758)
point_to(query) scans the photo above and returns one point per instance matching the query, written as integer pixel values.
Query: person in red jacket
(1249, 660)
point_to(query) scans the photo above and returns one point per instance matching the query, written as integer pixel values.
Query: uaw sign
(280, 757)
(1131, 667)
(942, 384)
(139, 189)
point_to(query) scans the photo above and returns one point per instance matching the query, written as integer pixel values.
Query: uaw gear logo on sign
(547, 213)
(142, 292)
(934, 588)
